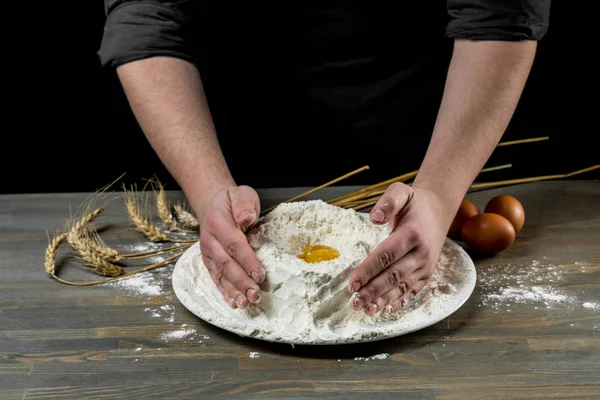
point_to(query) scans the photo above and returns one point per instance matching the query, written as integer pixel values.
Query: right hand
(231, 262)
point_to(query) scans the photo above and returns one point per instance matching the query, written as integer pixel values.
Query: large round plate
(196, 291)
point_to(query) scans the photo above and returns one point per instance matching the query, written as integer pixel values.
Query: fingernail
(253, 295)
(373, 308)
(232, 303)
(378, 215)
(355, 287)
(239, 300)
(357, 302)
(254, 276)
(246, 216)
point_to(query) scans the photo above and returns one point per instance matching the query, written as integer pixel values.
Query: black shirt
(296, 85)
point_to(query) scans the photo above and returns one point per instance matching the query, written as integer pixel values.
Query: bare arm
(484, 84)
(485, 81)
(167, 98)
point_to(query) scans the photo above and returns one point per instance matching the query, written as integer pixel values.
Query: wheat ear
(185, 217)
(50, 254)
(142, 223)
(80, 241)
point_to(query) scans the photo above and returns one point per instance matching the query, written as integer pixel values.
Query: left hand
(403, 263)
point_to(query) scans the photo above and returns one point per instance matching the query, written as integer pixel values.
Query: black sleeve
(498, 19)
(136, 29)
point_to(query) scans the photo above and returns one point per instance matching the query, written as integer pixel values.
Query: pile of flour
(309, 302)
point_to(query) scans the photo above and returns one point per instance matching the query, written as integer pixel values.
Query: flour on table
(381, 356)
(304, 302)
(145, 283)
(177, 334)
(536, 284)
(254, 354)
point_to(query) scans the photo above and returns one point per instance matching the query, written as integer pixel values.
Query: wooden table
(510, 340)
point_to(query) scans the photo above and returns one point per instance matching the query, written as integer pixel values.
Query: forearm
(167, 98)
(484, 83)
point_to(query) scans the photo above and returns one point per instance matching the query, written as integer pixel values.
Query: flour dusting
(254, 354)
(536, 284)
(305, 302)
(177, 334)
(144, 283)
(381, 356)
(591, 305)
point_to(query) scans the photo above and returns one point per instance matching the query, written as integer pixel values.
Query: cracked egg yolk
(317, 253)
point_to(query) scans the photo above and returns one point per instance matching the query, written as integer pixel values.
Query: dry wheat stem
(372, 198)
(522, 141)
(143, 224)
(185, 217)
(356, 198)
(147, 268)
(377, 186)
(489, 185)
(134, 256)
(349, 174)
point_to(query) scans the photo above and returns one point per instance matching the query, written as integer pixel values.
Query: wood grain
(63, 342)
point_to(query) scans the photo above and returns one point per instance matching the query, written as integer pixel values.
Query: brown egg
(510, 208)
(488, 233)
(465, 211)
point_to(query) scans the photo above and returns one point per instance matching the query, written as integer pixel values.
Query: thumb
(390, 203)
(245, 205)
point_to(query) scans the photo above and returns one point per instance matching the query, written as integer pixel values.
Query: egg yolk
(317, 253)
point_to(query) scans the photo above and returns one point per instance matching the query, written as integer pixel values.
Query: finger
(232, 296)
(245, 205)
(395, 293)
(225, 267)
(396, 275)
(387, 253)
(391, 202)
(395, 305)
(236, 245)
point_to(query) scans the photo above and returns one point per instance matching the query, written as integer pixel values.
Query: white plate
(196, 291)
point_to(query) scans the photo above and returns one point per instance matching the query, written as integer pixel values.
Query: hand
(403, 263)
(230, 260)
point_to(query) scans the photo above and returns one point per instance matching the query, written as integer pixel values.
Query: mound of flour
(305, 302)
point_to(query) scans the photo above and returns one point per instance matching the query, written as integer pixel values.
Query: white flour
(145, 283)
(535, 284)
(177, 334)
(381, 356)
(292, 307)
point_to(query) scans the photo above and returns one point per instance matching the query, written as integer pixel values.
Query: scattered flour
(381, 356)
(144, 283)
(177, 334)
(309, 302)
(592, 305)
(536, 284)
(142, 247)
(254, 354)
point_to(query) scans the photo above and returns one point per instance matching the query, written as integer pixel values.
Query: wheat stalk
(51, 250)
(147, 268)
(185, 217)
(85, 239)
(98, 257)
(143, 224)
(163, 210)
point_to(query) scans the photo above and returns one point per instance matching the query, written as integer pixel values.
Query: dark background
(78, 104)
